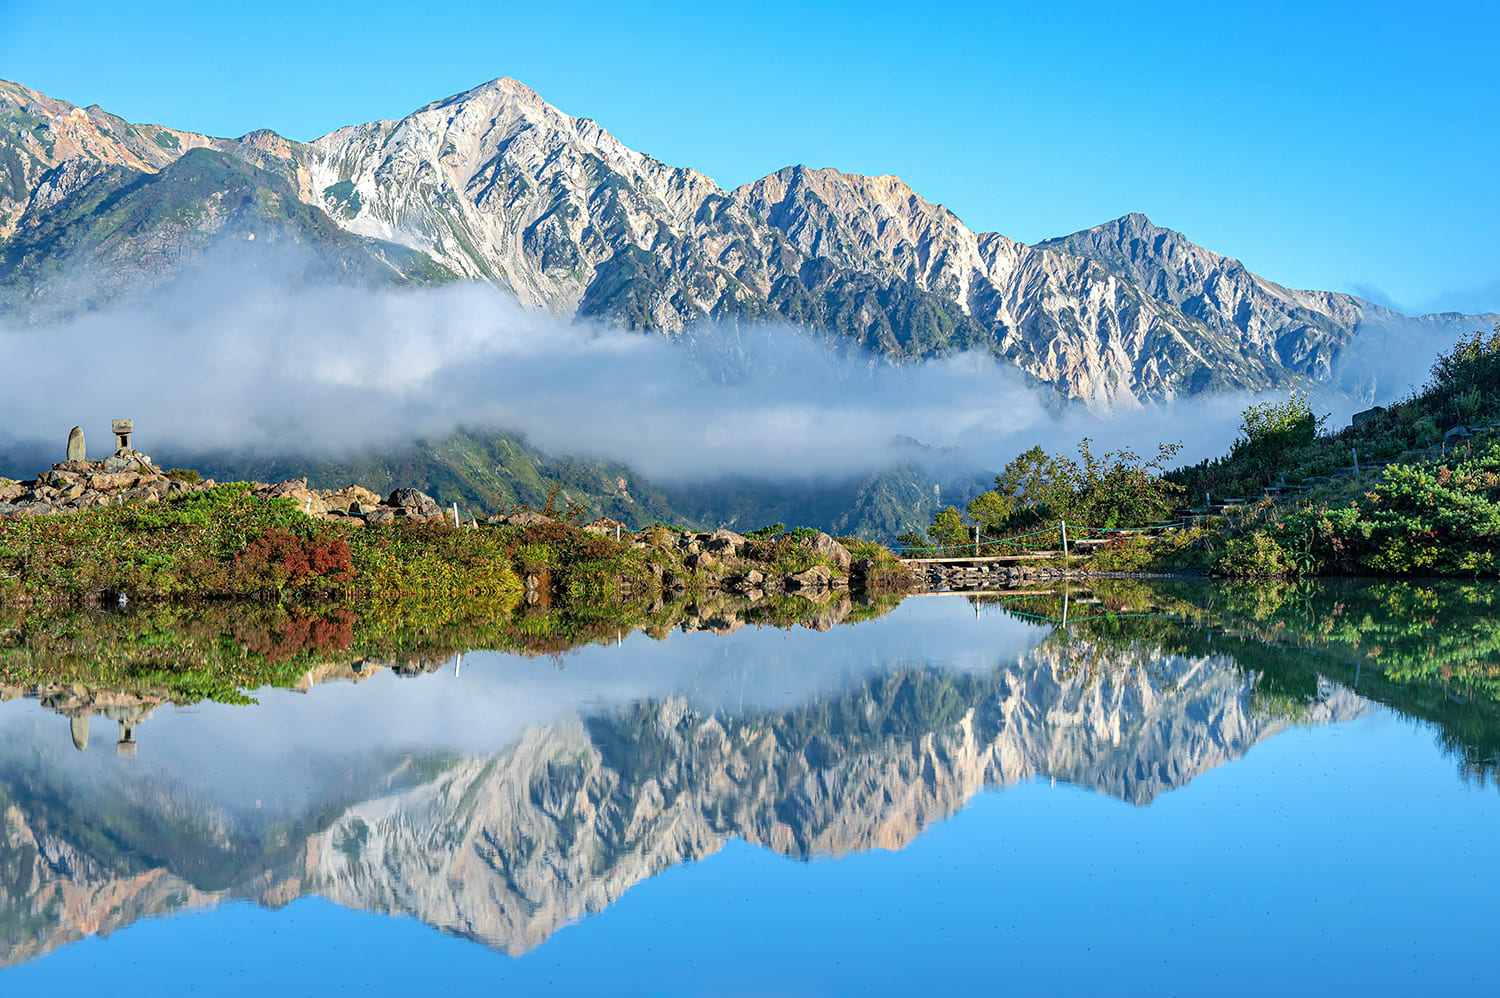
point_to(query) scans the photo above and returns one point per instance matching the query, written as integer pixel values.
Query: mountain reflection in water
(502, 800)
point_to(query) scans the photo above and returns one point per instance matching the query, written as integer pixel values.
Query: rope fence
(1048, 540)
(1089, 611)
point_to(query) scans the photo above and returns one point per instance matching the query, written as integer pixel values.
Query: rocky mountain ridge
(496, 184)
(505, 849)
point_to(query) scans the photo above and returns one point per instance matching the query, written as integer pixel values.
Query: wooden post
(1065, 540)
(455, 516)
(1355, 452)
(976, 541)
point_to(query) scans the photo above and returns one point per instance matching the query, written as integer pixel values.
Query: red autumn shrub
(286, 639)
(280, 558)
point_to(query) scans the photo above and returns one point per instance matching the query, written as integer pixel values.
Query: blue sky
(1344, 146)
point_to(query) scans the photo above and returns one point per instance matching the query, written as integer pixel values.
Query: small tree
(948, 528)
(992, 510)
(1271, 431)
(1031, 485)
(1470, 356)
(1121, 489)
(1289, 422)
(1465, 382)
(1117, 489)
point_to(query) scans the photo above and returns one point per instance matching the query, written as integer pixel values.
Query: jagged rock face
(95, 210)
(877, 225)
(39, 134)
(496, 184)
(1302, 330)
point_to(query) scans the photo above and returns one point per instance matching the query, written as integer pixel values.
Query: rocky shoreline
(547, 552)
(991, 576)
(74, 486)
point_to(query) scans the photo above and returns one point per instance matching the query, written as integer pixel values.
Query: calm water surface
(1223, 791)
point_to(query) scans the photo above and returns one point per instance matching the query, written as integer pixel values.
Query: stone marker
(76, 451)
(126, 745)
(123, 429)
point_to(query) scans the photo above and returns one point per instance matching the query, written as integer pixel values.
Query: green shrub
(1257, 554)
(1037, 489)
(1130, 553)
(948, 529)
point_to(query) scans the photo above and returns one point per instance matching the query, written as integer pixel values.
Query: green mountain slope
(127, 231)
(487, 471)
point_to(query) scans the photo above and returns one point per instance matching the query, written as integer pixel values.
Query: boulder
(725, 625)
(412, 500)
(116, 463)
(112, 482)
(139, 495)
(825, 619)
(307, 500)
(1456, 433)
(814, 578)
(724, 542)
(1360, 418)
(287, 487)
(830, 549)
(604, 525)
(525, 518)
(349, 497)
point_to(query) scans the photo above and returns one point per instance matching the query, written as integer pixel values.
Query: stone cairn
(78, 703)
(78, 483)
(127, 475)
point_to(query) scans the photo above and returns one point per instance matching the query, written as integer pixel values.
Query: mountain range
(506, 848)
(495, 184)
